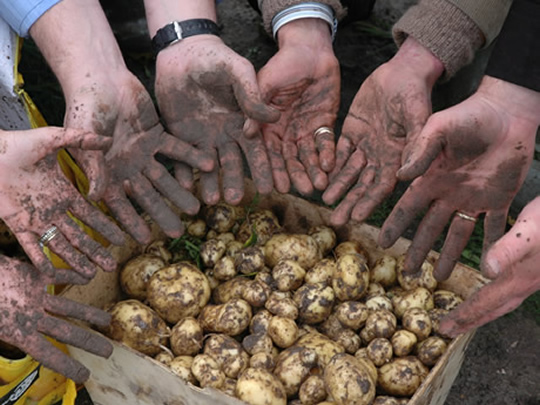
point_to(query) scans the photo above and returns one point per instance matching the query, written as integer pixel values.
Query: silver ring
(465, 216)
(323, 130)
(48, 235)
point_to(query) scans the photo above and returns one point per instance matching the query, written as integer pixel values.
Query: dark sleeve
(516, 56)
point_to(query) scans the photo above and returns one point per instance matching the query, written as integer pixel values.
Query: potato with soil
(186, 337)
(315, 302)
(312, 391)
(402, 376)
(263, 360)
(196, 228)
(229, 354)
(416, 298)
(224, 269)
(181, 366)
(221, 217)
(211, 251)
(259, 342)
(262, 223)
(422, 278)
(417, 321)
(293, 366)
(159, 248)
(352, 314)
(207, 371)
(351, 247)
(384, 271)
(322, 272)
(446, 300)
(288, 274)
(283, 331)
(178, 291)
(380, 351)
(281, 304)
(257, 386)
(378, 302)
(231, 318)
(379, 324)
(260, 321)
(325, 237)
(298, 247)
(135, 274)
(348, 382)
(351, 277)
(403, 342)
(430, 350)
(249, 260)
(226, 291)
(325, 347)
(138, 326)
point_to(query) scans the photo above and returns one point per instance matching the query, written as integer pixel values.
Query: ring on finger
(466, 217)
(48, 235)
(323, 130)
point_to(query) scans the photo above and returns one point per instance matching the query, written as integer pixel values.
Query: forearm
(76, 40)
(308, 32)
(161, 12)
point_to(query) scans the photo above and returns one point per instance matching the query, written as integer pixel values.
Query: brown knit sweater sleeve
(444, 29)
(269, 8)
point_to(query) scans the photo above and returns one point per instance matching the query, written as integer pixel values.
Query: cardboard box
(129, 377)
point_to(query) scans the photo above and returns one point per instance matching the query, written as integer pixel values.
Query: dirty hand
(472, 159)
(302, 80)
(134, 172)
(512, 262)
(205, 92)
(29, 312)
(35, 196)
(389, 110)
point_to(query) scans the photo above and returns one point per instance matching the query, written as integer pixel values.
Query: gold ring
(465, 216)
(48, 235)
(323, 130)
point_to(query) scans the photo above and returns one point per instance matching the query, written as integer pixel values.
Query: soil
(502, 363)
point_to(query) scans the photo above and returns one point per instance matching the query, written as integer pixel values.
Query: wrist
(304, 11)
(415, 56)
(305, 32)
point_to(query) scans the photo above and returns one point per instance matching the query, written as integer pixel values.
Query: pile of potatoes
(278, 318)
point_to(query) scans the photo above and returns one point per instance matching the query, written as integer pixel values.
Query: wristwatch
(178, 30)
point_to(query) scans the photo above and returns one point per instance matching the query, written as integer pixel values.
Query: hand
(302, 80)
(512, 262)
(35, 195)
(474, 157)
(134, 172)
(389, 110)
(205, 91)
(28, 312)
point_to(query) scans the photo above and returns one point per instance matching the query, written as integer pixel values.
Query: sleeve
(516, 56)
(444, 29)
(22, 14)
(269, 8)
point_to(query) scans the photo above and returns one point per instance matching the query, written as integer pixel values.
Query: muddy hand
(36, 198)
(512, 263)
(390, 109)
(205, 93)
(302, 80)
(472, 159)
(28, 313)
(138, 138)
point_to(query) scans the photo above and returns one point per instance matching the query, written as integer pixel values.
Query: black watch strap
(178, 30)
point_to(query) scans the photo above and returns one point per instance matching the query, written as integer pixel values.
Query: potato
(384, 271)
(312, 391)
(348, 381)
(293, 366)
(447, 300)
(207, 371)
(263, 223)
(283, 331)
(368, 364)
(325, 237)
(196, 228)
(221, 217)
(403, 342)
(229, 354)
(386, 400)
(258, 343)
(351, 277)
(186, 337)
(212, 281)
(249, 260)
(416, 298)
(422, 278)
(226, 291)
(178, 291)
(322, 272)
(298, 247)
(402, 376)
(379, 302)
(380, 351)
(349, 339)
(229, 387)
(417, 321)
(436, 315)
(351, 247)
(288, 275)
(314, 302)
(233, 248)
(256, 293)
(231, 318)
(352, 314)
(211, 234)
(135, 274)
(257, 386)
(430, 350)
(211, 251)
(138, 326)
(263, 360)
(164, 357)
(374, 289)
(226, 237)
(224, 269)
(331, 327)
(181, 366)
(325, 347)
(379, 324)
(260, 321)
(281, 304)
(159, 248)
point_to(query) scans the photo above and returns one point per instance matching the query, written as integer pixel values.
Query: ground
(502, 363)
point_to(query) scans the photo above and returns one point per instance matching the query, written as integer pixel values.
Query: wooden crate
(129, 377)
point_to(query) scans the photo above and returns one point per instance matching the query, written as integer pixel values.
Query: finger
(299, 178)
(68, 276)
(232, 172)
(209, 183)
(342, 213)
(181, 151)
(123, 211)
(73, 309)
(53, 358)
(93, 165)
(75, 336)
(259, 164)
(431, 226)
(85, 244)
(184, 175)
(456, 240)
(151, 202)
(325, 143)
(309, 158)
(279, 170)
(344, 149)
(494, 228)
(169, 187)
(376, 194)
(251, 128)
(35, 253)
(347, 176)
(77, 261)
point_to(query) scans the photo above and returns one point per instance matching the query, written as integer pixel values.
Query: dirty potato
(293, 366)
(260, 321)
(315, 302)
(281, 304)
(379, 324)
(352, 314)
(181, 366)
(196, 228)
(283, 331)
(288, 274)
(403, 342)
(135, 274)
(257, 386)
(402, 376)
(231, 318)
(207, 371)
(419, 297)
(380, 351)
(417, 321)
(229, 354)
(430, 350)
(256, 293)
(379, 302)
(325, 347)
(325, 237)
(262, 360)
(262, 223)
(351, 277)
(186, 337)
(221, 217)
(422, 278)
(298, 247)
(384, 271)
(322, 272)
(224, 269)
(312, 391)
(159, 248)
(226, 291)
(211, 251)
(249, 260)
(446, 300)
(164, 357)
(259, 342)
